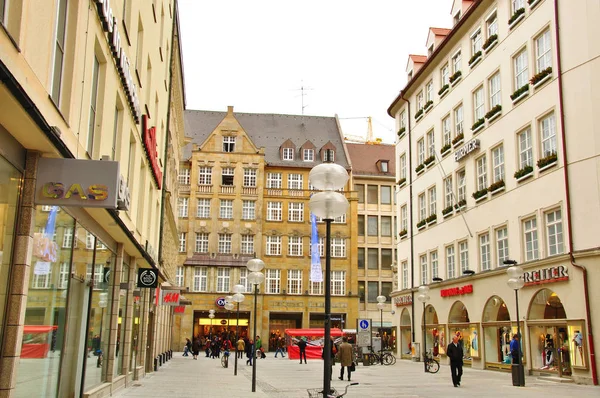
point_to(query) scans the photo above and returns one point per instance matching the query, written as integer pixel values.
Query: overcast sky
(350, 55)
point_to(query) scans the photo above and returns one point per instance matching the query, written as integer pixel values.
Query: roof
(440, 31)
(364, 159)
(269, 131)
(418, 58)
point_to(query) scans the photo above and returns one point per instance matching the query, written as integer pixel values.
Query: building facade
(373, 176)
(85, 95)
(491, 171)
(244, 193)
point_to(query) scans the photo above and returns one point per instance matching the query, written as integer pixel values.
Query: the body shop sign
(546, 275)
(403, 300)
(457, 291)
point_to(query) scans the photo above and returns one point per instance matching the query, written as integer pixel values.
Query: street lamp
(381, 304)
(424, 298)
(238, 297)
(255, 277)
(516, 282)
(228, 306)
(211, 315)
(327, 205)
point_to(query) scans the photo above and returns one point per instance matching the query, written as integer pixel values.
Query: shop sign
(457, 291)
(147, 278)
(77, 183)
(223, 322)
(220, 302)
(170, 297)
(403, 300)
(180, 309)
(546, 275)
(149, 139)
(466, 149)
(111, 27)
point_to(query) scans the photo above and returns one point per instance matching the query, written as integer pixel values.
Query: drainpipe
(568, 202)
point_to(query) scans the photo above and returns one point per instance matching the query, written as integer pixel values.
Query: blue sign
(364, 324)
(220, 302)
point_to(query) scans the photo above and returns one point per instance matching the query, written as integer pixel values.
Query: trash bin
(366, 359)
(415, 351)
(518, 375)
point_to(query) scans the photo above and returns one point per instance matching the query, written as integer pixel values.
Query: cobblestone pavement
(184, 377)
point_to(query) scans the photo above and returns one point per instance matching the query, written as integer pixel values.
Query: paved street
(183, 377)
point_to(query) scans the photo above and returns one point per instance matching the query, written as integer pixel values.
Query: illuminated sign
(403, 300)
(546, 275)
(457, 291)
(170, 297)
(466, 149)
(180, 309)
(149, 138)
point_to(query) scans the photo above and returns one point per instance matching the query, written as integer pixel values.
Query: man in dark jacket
(302, 348)
(455, 354)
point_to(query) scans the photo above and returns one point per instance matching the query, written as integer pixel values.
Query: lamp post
(211, 315)
(255, 277)
(238, 297)
(516, 282)
(328, 204)
(424, 298)
(380, 305)
(228, 307)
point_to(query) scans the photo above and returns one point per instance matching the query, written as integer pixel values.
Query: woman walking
(196, 348)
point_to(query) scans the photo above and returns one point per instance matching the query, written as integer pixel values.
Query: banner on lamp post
(316, 272)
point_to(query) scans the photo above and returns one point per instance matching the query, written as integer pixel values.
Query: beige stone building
(244, 192)
(496, 162)
(91, 109)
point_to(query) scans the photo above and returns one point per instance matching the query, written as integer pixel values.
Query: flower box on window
(542, 77)
(547, 162)
(420, 168)
(478, 125)
(475, 59)
(445, 88)
(490, 43)
(524, 173)
(461, 204)
(432, 219)
(493, 113)
(521, 93)
(403, 234)
(448, 211)
(516, 18)
(455, 77)
(401, 132)
(445, 149)
(429, 160)
(532, 3)
(428, 105)
(480, 195)
(421, 224)
(401, 182)
(497, 187)
(458, 139)
(419, 114)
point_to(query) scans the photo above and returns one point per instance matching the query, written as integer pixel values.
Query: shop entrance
(405, 334)
(468, 333)
(278, 323)
(498, 331)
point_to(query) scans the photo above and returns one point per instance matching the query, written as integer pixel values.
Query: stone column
(129, 319)
(114, 290)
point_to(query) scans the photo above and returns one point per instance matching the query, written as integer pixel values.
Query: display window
(577, 344)
(435, 333)
(405, 334)
(468, 333)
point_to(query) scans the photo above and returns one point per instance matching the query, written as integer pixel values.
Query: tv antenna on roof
(302, 90)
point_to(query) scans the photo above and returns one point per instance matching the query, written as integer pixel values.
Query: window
(548, 130)
(203, 208)
(250, 177)
(205, 176)
(402, 166)
(430, 144)
(225, 243)
(308, 155)
(295, 246)
(226, 209)
(361, 291)
(43, 281)
(295, 212)
(445, 75)
(502, 245)
(419, 103)
(492, 24)
(422, 207)
(200, 279)
(338, 283)
(456, 18)
(520, 67)
(338, 247)
(448, 194)
(227, 174)
(476, 42)
(494, 88)
(384, 166)
(517, 5)
(386, 259)
(433, 257)
(316, 288)
(228, 144)
(288, 153)
(402, 121)
(223, 284)
(554, 230)
(423, 262)
(484, 252)
(498, 163)
(59, 50)
(360, 190)
(372, 193)
(386, 226)
(458, 120)
(450, 262)
(244, 280)
(274, 245)
(93, 106)
(64, 274)
(183, 207)
(274, 180)
(373, 258)
(432, 201)
(361, 258)
(179, 281)
(386, 195)
(272, 281)
(361, 225)
(446, 131)
(295, 181)
(294, 281)
(429, 91)
(98, 274)
(247, 244)
(478, 104)
(421, 151)
(89, 240)
(201, 242)
(248, 210)
(372, 227)
(531, 239)
(404, 218)
(405, 275)
(463, 251)
(543, 57)
(274, 211)
(184, 176)
(525, 149)
(482, 173)
(456, 62)
(461, 185)
(182, 242)
(372, 291)
(67, 238)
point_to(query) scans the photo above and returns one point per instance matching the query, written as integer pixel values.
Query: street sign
(220, 302)
(363, 332)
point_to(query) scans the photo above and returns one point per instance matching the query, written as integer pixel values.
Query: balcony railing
(228, 189)
(205, 188)
(250, 191)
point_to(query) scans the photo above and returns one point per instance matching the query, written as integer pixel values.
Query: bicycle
(225, 359)
(318, 392)
(384, 358)
(431, 364)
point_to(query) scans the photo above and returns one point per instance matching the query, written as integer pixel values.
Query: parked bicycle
(431, 364)
(318, 392)
(383, 357)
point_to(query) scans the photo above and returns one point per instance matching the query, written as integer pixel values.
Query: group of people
(212, 346)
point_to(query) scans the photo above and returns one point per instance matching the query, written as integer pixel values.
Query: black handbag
(352, 367)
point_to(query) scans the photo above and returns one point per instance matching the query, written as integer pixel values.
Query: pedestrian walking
(280, 346)
(196, 347)
(514, 349)
(250, 352)
(240, 348)
(302, 348)
(331, 357)
(455, 354)
(187, 347)
(345, 356)
(258, 346)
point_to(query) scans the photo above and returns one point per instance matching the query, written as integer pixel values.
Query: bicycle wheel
(389, 359)
(373, 359)
(433, 366)
(224, 361)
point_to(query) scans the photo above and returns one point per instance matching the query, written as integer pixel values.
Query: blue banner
(316, 273)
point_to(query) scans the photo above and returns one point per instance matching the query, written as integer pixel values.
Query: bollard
(155, 364)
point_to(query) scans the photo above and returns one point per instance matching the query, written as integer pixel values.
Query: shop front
(435, 332)
(460, 324)
(405, 334)
(498, 331)
(224, 323)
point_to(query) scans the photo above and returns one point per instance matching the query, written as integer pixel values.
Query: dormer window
(383, 166)
(430, 50)
(228, 144)
(288, 153)
(308, 155)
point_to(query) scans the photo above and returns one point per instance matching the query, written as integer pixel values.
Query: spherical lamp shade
(423, 290)
(423, 298)
(239, 288)
(256, 278)
(238, 298)
(328, 204)
(211, 312)
(381, 299)
(328, 177)
(516, 283)
(380, 306)
(255, 265)
(228, 299)
(514, 272)
(211, 316)
(228, 306)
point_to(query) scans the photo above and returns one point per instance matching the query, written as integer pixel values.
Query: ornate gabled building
(244, 192)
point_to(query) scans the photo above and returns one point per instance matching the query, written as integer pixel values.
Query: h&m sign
(170, 297)
(546, 275)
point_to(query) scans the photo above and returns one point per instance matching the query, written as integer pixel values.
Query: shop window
(468, 333)
(405, 334)
(497, 331)
(435, 332)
